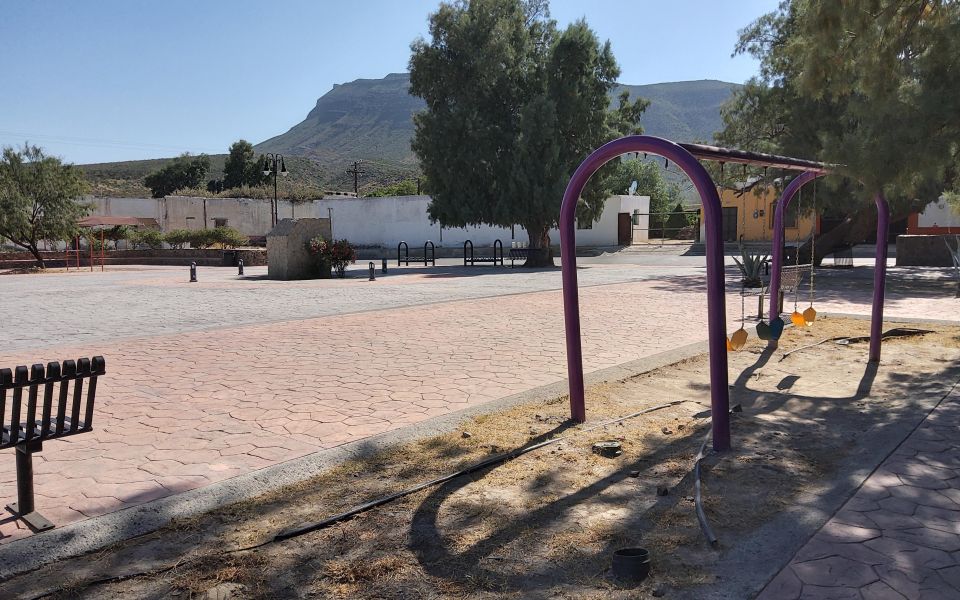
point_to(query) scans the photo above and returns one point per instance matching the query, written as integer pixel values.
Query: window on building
(789, 219)
(219, 222)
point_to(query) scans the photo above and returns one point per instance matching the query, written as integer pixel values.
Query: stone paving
(899, 536)
(75, 308)
(192, 398)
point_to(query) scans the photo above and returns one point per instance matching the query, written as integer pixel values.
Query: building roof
(104, 220)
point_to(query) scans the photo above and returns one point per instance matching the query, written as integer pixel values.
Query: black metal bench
(70, 415)
(469, 259)
(430, 256)
(518, 254)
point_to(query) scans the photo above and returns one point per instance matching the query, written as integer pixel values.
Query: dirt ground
(545, 524)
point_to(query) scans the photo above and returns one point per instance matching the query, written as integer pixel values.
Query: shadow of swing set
(687, 158)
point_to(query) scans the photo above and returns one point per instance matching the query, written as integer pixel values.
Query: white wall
(149, 208)
(383, 221)
(938, 214)
(604, 231)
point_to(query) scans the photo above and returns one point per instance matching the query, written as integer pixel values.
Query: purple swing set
(687, 158)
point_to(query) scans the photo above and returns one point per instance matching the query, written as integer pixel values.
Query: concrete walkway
(899, 536)
(212, 380)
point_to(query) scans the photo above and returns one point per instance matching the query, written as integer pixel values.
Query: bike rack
(429, 258)
(433, 254)
(469, 259)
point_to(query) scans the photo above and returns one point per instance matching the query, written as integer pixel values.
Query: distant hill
(372, 120)
(363, 119)
(682, 111)
(124, 179)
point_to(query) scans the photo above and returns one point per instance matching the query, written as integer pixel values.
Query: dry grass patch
(545, 524)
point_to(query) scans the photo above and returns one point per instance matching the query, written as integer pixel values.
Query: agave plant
(751, 267)
(955, 255)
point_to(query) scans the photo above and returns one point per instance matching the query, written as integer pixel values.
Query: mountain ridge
(372, 118)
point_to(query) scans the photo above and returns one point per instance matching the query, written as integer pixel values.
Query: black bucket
(631, 564)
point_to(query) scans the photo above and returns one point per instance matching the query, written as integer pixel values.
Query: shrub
(338, 253)
(201, 238)
(228, 237)
(117, 233)
(751, 267)
(151, 238)
(177, 238)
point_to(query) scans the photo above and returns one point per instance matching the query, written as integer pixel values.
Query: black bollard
(383, 267)
(193, 272)
(373, 271)
(240, 267)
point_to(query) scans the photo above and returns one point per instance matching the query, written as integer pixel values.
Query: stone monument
(287, 255)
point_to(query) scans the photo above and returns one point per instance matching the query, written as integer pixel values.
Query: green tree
(40, 198)
(407, 187)
(177, 238)
(513, 106)
(228, 237)
(243, 167)
(183, 172)
(151, 238)
(870, 85)
(117, 233)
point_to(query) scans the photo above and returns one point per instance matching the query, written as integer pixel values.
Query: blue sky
(121, 80)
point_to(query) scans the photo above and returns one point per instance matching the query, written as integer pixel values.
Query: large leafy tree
(40, 198)
(242, 166)
(513, 106)
(183, 172)
(871, 85)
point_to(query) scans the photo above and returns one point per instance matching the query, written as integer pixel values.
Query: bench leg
(24, 507)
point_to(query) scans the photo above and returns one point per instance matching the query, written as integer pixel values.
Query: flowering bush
(338, 253)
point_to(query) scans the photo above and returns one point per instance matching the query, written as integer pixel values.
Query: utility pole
(356, 171)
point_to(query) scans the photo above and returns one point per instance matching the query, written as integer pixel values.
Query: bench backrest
(58, 413)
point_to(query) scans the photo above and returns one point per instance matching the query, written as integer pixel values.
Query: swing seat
(791, 276)
(738, 339)
(776, 328)
(764, 332)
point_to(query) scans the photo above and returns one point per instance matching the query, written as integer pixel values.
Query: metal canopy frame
(687, 158)
(761, 159)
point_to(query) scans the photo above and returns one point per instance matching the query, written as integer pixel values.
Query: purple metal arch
(879, 276)
(716, 302)
(777, 253)
(880, 264)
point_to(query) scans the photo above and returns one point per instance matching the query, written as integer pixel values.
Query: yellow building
(750, 214)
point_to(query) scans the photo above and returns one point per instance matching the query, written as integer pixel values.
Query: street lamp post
(277, 160)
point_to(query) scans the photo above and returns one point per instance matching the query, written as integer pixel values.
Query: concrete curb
(95, 533)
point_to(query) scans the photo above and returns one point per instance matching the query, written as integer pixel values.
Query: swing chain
(796, 254)
(813, 241)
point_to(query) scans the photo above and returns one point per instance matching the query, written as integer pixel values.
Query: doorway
(729, 223)
(624, 229)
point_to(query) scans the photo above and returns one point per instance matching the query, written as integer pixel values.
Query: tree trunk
(540, 255)
(854, 229)
(36, 254)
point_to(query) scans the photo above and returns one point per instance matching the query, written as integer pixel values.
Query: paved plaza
(899, 536)
(211, 380)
